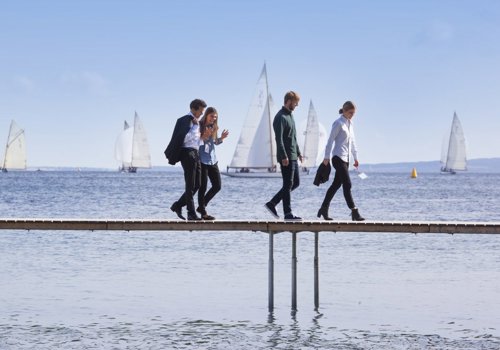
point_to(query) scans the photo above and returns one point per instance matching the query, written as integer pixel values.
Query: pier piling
(294, 272)
(316, 271)
(270, 292)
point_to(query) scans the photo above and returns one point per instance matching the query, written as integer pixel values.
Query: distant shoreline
(479, 165)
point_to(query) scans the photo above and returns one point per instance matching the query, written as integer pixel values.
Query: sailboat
(131, 147)
(15, 150)
(454, 157)
(255, 153)
(312, 139)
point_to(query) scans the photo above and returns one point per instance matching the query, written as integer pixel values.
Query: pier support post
(294, 272)
(316, 271)
(270, 291)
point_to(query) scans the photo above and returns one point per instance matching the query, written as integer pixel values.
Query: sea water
(208, 290)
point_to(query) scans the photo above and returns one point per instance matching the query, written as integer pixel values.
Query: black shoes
(272, 209)
(291, 217)
(324, 212)
(204, 214)
(178, 210)
(193, 217)
(356, 216)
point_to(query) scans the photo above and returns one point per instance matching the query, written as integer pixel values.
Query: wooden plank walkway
(447, 227)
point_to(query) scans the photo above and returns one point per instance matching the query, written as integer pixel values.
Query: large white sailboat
(453, 157)
(15, 150)
(311, 136)
(131, 147)
(255, 153)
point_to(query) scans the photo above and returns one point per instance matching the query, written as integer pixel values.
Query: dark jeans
(208, 172)
(291, 181)
(190, 162)
(341, 179)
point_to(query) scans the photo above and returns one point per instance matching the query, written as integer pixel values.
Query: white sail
(123, 146)
(444, 150)
(255, 148)
(272, 114)
(321, 143)
(456, 157)
(311, 139)
(131, 147)
(141, 157)
(15, 150)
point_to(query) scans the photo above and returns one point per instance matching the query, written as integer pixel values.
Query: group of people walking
(193, 144)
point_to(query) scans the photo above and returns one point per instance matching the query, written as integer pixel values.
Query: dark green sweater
(286, 136)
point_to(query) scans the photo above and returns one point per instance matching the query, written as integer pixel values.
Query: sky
(72, 71)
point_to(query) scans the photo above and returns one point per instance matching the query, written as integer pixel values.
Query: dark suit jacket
(322, 174)
(173, 150)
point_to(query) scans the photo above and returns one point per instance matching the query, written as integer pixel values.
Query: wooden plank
(255, 226)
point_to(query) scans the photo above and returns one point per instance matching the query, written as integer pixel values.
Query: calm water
(208, 290)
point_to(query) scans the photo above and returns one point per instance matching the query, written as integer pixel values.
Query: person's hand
(326, 161)
(285, 162)
(224, 134)
(356, 163)
(301, 159)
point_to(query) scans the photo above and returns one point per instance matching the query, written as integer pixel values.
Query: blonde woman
(344, 151)
(209, 163)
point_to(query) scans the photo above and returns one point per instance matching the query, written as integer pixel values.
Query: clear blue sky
(72, 71)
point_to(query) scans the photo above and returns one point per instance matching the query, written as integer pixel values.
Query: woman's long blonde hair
(208, 111)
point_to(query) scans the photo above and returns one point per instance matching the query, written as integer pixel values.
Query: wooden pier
(254, 226)
(270, 227)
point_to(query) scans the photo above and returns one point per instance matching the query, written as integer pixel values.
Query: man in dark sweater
(287, 153)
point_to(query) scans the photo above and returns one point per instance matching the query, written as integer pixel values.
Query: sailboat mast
(269, 112)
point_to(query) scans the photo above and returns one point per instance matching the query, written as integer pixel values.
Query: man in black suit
(183, 147)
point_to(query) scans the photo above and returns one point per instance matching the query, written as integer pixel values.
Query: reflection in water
(315, 332)
(203, 334)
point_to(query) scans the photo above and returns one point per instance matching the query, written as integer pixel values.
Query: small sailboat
(453, 157)
(15, 150)
(131, 147)
(312, 139)
(255, 153)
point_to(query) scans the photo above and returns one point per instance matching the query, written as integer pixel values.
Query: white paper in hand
(361, 175)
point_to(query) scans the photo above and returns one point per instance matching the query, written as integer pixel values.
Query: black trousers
(208, 172)
(341, 178)
(291, 181)
(191, 165)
